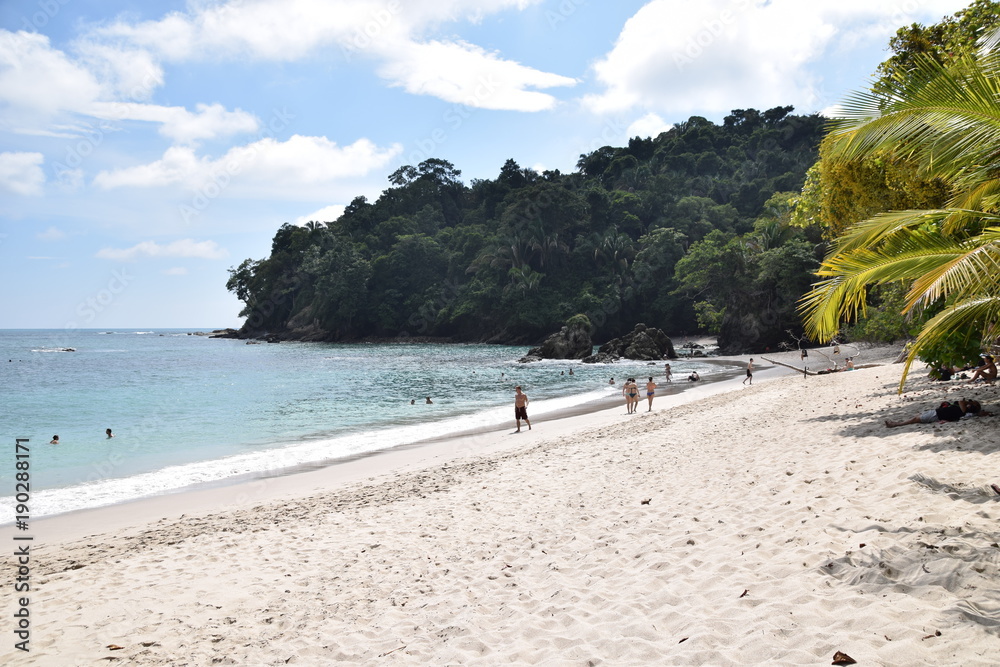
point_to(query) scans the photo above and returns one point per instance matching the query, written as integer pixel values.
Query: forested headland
(686, 232)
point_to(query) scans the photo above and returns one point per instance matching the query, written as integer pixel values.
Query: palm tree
(946, 119)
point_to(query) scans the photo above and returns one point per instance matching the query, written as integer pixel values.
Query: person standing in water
(520, 408)
(109, 433)
(668, 372)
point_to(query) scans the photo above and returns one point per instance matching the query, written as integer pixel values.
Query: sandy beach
(776, 524)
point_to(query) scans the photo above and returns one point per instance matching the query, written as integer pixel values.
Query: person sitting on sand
(946, 412)
(987, 372)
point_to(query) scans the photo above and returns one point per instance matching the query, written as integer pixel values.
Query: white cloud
(51, 234)
(176, 271)
(40, 85)
(466, 74)
(650, 125)
(289, 30)
(125, 73)
(325, 214)
(181, 248)
(714, 55)
(265, 166)
(21, 173)
(210, 121)
(38, 82)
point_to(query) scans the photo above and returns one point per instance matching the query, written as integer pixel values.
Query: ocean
(189, 410)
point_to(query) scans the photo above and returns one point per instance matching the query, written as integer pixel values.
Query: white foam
(281, 456)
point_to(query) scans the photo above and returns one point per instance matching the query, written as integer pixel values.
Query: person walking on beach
(520, 408)
(631, 393)
(749, 372)
(650, 392)
(668, 373)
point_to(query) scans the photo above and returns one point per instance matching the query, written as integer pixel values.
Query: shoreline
(238, 491)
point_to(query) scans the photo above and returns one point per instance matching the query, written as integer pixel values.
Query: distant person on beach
(749, 372)
(987, 372)
(412, 401)
(571, 371)
(55, 440)
(109, 433)
(650, 392)
(428, 400)
(520, 408)
(631, 393)
(667, 372)
(946, 412)
(611, 381)
(694, 377)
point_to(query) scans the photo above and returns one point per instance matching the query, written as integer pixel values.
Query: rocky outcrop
(570, 342)
(224, 333)
(642, 344)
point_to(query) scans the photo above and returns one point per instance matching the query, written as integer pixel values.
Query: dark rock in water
(225, 333)
(601, 358)
(571, 342)
(642, 344)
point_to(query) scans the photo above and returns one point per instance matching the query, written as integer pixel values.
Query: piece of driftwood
(794, 368)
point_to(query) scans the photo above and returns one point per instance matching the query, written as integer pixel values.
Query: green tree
(946, 118)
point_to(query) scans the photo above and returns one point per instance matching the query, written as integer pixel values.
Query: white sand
(784, 523)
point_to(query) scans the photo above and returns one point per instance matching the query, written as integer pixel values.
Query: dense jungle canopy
(681, 232)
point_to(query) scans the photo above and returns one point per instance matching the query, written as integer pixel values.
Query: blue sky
(145, 147)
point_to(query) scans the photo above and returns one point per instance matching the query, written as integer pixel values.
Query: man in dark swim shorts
(520, 408)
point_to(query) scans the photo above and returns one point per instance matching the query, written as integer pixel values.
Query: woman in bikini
(631, 392)
(650, 392)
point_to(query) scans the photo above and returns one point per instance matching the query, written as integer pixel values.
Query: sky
(147, 147)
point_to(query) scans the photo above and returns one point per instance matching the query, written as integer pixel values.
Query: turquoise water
(189, 409)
